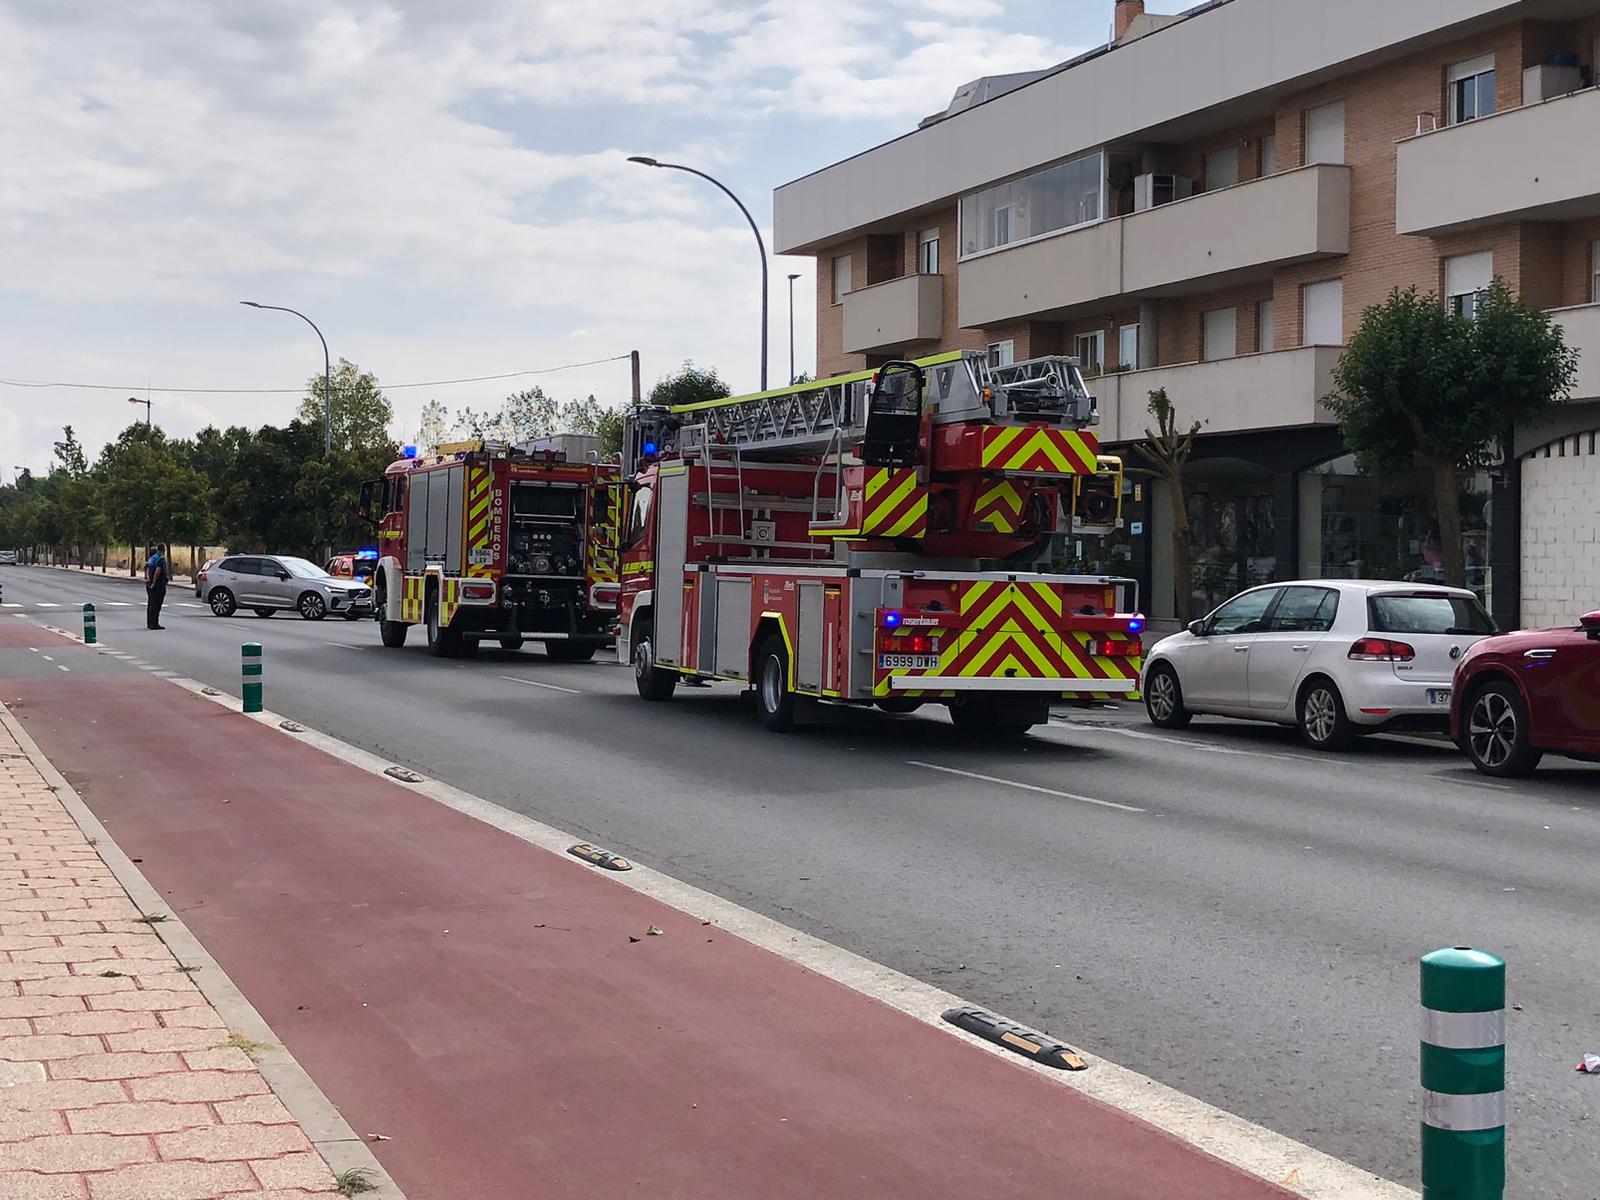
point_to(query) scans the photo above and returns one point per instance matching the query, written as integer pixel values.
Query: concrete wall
(894, 313)
(1523, 162)
(1561, 532)
(1222, 55)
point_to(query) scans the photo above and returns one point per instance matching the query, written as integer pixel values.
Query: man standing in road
(156, 577)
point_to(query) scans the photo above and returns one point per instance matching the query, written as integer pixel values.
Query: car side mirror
(1590, 623)
(283, 574)
(1198, 628)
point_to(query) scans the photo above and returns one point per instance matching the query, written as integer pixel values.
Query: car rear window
(1427, 612)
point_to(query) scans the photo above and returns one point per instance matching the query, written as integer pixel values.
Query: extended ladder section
(829, 417)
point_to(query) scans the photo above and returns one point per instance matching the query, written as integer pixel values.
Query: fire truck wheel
(393, 633)
(440, 642)
(774, 700)
(312, 606)
(222, 602)
(513, 642)
(567, 652)
(653, 683)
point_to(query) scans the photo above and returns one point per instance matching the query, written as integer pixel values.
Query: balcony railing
(1536, 162)
(1186, 246)
(895, 313)
(1230, 395)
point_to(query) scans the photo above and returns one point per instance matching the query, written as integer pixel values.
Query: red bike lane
(504, 1017)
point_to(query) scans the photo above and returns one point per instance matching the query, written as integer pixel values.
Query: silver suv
(266, 584)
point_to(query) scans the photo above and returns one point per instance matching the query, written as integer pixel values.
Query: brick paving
(117, 1077)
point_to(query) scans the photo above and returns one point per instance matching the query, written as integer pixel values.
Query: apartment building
(1207, 205)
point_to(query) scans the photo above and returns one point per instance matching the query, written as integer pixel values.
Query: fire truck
(870, 540)
(487, 542)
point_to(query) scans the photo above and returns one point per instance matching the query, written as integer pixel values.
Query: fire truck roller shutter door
(416, 524)
(438, 526)
(733, 627)
(806, 658)
(672, 541)
(455, 529)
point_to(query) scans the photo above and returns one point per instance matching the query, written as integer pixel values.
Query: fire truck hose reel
(1017, 1038)
(600, 858)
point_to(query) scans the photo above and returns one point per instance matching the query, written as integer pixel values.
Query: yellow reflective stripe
(914, 515)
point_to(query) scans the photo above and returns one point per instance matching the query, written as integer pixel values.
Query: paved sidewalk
(118, 1080)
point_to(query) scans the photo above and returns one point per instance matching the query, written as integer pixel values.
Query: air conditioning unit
(1152, 190)
(1548, 81)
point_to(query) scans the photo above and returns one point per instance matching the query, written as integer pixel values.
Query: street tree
(433, 427)
(69, 454)
(1419, 384)
(361, 412)
(689, 384)
(1167, 448)
(589, 416)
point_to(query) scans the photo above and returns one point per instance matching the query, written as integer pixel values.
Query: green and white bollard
(88, 624)
(251, 654)
(1463, 1075)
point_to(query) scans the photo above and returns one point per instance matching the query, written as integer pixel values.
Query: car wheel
(653, 682)
(1323, 723)
(222, 602)
(263, 612)
(774, 700)
(312, 606)
(1163, 698)
(1498, 738)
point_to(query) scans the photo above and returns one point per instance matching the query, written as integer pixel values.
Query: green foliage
(689, 385)
(69, 453)
(589, 416)
(522, 417)
(361, 413)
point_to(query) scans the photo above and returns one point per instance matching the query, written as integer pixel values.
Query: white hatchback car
(1336, 657)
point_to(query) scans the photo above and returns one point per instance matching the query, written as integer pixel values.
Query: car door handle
(1299, 649)
(1541, 655)
(1241, 649)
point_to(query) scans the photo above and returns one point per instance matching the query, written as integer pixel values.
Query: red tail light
(1371, 649)
(202, 576)
(477, 591)
(1129, 648)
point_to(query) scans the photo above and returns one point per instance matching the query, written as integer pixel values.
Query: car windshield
(302, 568)
(1427, 612)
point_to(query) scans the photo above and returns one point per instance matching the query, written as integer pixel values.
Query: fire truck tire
(393, 633)
(653, 683)
(514, 642)
(567, 652)
(774, 700)
(442, 643)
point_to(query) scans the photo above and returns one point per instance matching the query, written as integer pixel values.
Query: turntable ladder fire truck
(486, 542)
(870, 540)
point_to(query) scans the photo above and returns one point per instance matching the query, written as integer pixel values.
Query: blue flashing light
(410, 451)
(891, 620)
(1135, 625)
(369, 553)
(649, 447)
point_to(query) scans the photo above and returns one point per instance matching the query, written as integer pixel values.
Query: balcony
(885, 316)
(1192, 245)
(1231, 395)
(1581, 328)
(1530, 163)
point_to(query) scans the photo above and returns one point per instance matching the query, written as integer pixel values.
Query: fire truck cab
(869, 540)
(487, 542)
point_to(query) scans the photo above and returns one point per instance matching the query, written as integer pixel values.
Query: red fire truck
(482, 541)
(870, 540)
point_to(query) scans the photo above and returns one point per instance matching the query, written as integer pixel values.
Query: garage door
(1561, 531)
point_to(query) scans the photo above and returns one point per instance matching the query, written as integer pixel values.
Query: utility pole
(638, 394)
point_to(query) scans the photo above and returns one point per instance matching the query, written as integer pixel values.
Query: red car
(1518, 696)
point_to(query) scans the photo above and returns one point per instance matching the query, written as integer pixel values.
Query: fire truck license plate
(908, 662)
(480, 558)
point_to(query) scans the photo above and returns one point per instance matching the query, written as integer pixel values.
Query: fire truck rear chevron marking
(480, 494)
(1048, 451)
(893, 504)
(411, 600)
(998, 507)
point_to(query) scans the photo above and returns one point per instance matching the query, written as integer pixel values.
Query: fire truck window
(639, 515)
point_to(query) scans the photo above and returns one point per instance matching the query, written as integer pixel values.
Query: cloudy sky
(440, 184)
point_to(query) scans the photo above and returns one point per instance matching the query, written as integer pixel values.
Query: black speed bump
(1017, 1038)
(600, 858)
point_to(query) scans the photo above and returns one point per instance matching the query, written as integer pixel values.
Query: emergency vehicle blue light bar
(410, 451)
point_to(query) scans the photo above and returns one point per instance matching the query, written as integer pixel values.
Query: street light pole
(327, 372)
(792, 278)
(146, 403)
(754, 228)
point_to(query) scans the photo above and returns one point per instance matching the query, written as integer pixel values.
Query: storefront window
(1356, 526)
(1232, 544)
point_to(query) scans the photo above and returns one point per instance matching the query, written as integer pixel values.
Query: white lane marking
(536, 683)
(1027, 787)
(48, 604)
(1253, 1148)
(344, 645)
(34, 649)
(118, 604)
(189, 604)
(1186, 743)
(47, 658)
(59, 667)
(10, 604)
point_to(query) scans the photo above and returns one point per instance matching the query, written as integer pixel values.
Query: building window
(1220, 327)
(841, 278)
(1091, 351)
(1465, 278)
(1322, 313)
(1128, 347)
(1472, 89)
(1002, 354)
(1047, 201)
(1269, 155)
(928, 252)
(1325, 133)
(1222, 168)
(1266, 326)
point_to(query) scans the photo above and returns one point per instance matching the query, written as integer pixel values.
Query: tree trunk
(1447, 507)
(1182, 571)
(133, 555)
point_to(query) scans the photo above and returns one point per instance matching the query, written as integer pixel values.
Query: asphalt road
(1236, 916)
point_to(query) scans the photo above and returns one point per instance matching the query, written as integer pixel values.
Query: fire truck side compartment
(733, 626)
(808, 637)
(672, 540)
